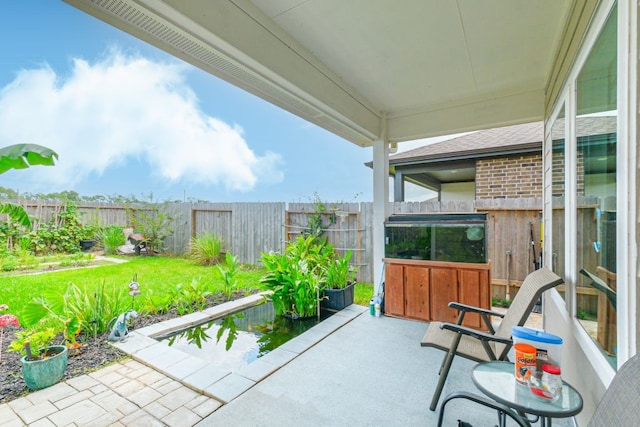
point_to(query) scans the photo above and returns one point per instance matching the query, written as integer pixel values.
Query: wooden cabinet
(422, 290)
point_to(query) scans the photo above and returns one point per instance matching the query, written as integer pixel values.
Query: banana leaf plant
(21, 156)
(54, 307)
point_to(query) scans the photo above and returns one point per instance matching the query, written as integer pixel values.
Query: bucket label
(525, 362)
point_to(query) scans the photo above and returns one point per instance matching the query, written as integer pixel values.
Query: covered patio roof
(372, 69)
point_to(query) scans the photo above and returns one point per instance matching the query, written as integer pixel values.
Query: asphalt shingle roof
(525, 137)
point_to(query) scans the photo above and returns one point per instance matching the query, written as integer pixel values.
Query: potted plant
(338, 283)
(87, 237)
(294, 278)
(43, 363)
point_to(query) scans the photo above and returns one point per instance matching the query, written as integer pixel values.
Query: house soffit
(430, 67)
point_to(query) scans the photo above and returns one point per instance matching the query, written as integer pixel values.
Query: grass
(153, 273)
(27, 262)
(158, 274)
(363, 293)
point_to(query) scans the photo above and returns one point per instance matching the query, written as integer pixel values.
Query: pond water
(236, 340)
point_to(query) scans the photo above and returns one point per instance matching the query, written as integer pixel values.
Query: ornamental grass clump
(206, 249)
(112, 238)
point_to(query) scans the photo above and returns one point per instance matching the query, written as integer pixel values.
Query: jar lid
(535, 335)
(551, 369)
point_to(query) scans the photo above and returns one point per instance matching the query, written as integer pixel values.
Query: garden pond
(235, 340)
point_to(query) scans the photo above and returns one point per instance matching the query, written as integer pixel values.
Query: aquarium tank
(437, 237)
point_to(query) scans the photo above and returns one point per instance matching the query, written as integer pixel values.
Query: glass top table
(497, 381)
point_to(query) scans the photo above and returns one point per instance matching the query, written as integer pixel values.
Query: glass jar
(551, 380)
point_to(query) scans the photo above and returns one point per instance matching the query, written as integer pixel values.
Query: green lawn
(156, 274)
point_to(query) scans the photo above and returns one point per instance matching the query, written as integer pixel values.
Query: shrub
(500, 302)
(9, 263)
(206, 249)
(294, 277)
(153, 221)
(61, 234)
(112, 238)
(10, 233)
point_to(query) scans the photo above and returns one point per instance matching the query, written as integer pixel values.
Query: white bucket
(548, 346)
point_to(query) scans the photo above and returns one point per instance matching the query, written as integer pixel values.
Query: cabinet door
(474, 290)
(416, 291)
(443, 286)
(394, 290)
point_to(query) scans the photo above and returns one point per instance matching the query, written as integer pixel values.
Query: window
(595, 190)
(558, 195)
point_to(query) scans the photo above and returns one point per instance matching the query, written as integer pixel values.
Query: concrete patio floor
(370, 372)
(358, 370)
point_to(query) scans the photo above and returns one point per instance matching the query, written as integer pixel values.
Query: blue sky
(126, 118)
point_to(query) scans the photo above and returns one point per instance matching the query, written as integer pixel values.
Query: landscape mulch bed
(96, 354)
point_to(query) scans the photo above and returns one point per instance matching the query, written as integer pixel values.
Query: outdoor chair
(620, 405)
(605, 282)
(484, 346)
(600, 285)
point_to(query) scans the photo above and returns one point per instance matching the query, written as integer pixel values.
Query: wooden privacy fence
(513, 241)
(344, 226)
(248, 229)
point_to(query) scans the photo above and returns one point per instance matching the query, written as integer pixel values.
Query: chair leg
(444, 371)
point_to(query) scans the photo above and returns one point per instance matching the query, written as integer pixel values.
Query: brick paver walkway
(124, 394)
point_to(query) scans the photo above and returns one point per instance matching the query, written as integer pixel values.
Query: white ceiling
(360, 68)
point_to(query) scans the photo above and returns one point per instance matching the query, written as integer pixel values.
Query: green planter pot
(43, 373)
(337, 299)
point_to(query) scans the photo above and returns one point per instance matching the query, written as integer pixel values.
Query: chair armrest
(472, 309)
(480, 335)
(600, 285)
(484, 314)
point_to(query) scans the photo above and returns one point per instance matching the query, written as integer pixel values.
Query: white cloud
(124, 107)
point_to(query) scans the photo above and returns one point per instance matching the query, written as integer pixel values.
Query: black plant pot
(337, 299)
(87, 244)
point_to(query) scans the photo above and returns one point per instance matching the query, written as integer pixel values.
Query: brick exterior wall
(509, 177)
(558, 171)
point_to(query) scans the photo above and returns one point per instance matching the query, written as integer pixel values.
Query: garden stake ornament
(134, 289)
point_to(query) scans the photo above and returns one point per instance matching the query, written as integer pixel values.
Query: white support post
(380, 202)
